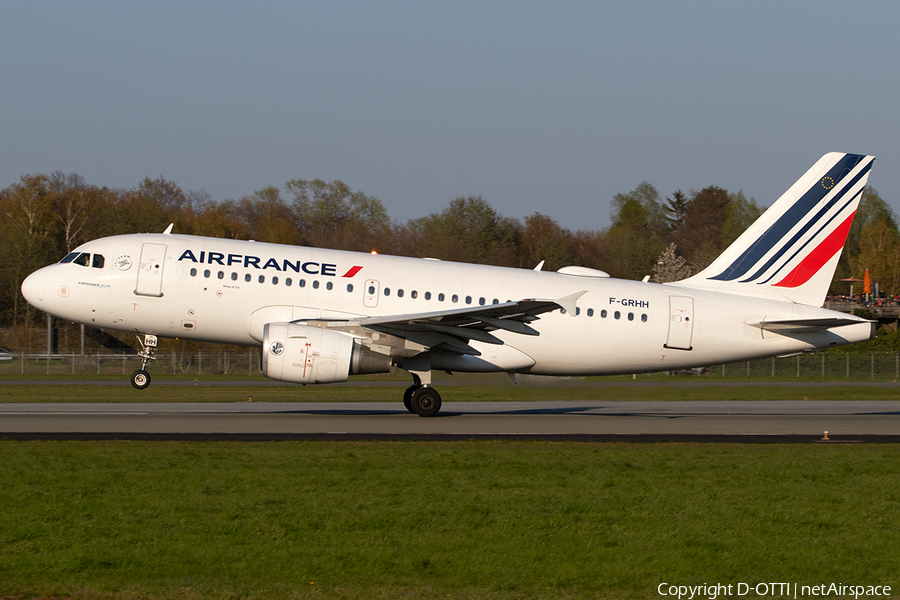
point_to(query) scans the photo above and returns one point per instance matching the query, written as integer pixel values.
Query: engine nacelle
(303, 354)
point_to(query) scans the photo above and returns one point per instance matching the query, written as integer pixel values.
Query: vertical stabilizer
(792, 250)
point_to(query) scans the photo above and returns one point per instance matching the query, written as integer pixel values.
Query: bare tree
(29, 225)
(670, 266)
(68, 196)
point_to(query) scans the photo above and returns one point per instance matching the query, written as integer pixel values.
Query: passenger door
(681, 323)
(150, 270)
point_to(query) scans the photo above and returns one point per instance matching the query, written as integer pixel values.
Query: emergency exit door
(370, 293)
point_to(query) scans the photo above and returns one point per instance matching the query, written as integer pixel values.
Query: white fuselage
(225, 291)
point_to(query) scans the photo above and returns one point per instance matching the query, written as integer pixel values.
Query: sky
(534, 106)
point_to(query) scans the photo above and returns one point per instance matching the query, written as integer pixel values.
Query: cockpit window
(69, 257)
(98, 261)
(82, 259)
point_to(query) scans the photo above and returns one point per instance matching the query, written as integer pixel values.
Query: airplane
(320, 315)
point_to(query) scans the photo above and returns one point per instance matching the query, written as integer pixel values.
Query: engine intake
(303, 354)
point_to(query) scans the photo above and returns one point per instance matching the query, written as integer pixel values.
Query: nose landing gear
(140, 379)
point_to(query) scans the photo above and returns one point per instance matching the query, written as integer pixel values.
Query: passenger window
(399, 293)
(69, 257)
(329, 285)
(577, 311)
(414, 294)
(454, 299)
(590, 312)
(495, 301)
(428, 295)
(387, 291)
(468, 299)
(98, 261)
(247, 277)
(350, 287)
(617, 315)
(643, 318)
(234, 276)
(302, 283)
(315, 284)
(262, 278)
(82, 259)
(603, 313)
(275, 281)
(288, 281)
(631, 316)
(206, 273)
(221, 275)
(193, 272)
(441, 297)
(371, 289)
(481, 301)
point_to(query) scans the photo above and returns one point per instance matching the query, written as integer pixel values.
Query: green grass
(436, 520)
(572, 390)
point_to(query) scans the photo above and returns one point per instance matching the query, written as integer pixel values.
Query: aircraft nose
(33, 288)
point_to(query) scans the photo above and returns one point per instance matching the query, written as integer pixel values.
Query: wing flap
(509, 325)
(467, 333)
(452, 329)
(522, 311)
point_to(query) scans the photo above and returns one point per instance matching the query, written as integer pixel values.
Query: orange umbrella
(867, 283)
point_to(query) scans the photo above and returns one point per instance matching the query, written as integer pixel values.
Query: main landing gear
(421, 399)
(140, 379)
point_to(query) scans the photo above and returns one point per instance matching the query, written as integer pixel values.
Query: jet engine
(303, 354)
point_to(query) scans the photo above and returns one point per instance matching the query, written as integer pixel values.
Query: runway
(634, 421)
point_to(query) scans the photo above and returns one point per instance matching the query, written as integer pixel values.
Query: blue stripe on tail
(788, 220)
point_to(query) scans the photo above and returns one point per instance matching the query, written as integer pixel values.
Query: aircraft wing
(805, 325)
(453, 329)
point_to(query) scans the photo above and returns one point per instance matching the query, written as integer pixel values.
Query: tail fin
(792, 250)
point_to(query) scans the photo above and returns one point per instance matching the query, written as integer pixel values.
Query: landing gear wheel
(426, 402)
(140, 379)
(407, 397)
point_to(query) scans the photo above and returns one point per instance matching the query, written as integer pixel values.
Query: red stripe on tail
(814, 261)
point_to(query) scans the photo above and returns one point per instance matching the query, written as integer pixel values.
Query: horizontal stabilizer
(805, 325)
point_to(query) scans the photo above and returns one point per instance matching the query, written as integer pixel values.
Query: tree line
(43, 217)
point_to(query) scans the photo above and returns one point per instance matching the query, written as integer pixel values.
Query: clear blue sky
(535, 106)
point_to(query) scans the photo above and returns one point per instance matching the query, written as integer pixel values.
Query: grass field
(492, 520)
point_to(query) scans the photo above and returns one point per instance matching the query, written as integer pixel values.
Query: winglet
(568, 302)
(168, 230)
(539, 266)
